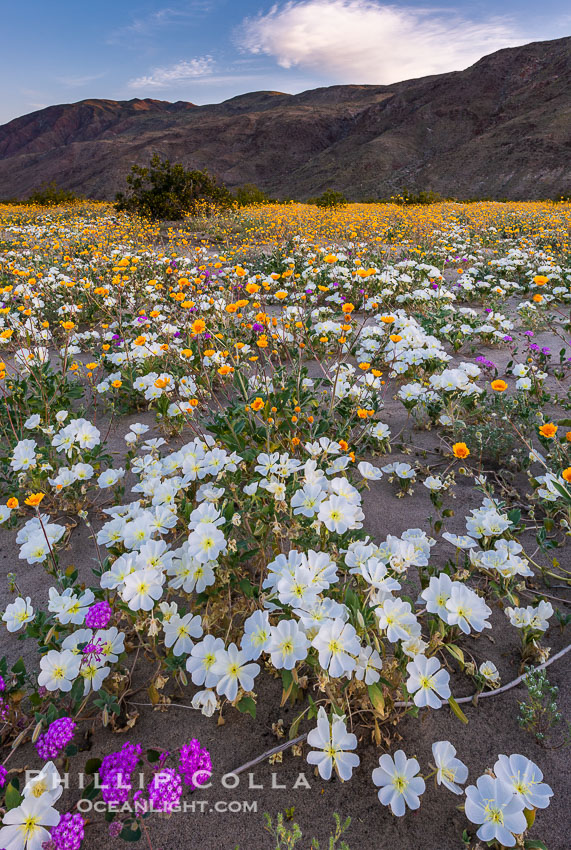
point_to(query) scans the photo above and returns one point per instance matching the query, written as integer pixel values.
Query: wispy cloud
(78, 81)
(362, 41)
(148, 25)
(171, 75)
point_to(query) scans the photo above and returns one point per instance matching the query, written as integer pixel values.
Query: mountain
(501, 128)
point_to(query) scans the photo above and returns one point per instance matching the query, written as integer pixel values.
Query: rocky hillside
(500, 128)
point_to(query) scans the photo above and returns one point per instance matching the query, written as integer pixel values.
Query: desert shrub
(51, 195)
(329, 198)
(167, 191)
(249, 193)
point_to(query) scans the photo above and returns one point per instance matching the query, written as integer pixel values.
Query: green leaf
(457, 710)
(13, 797)
(455, 652)
(131, 833)
(92, 766)
(534, 844)
(247, 706)
(153, 756)
(377, 697)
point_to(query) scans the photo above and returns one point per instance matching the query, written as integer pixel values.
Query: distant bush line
(169, 192)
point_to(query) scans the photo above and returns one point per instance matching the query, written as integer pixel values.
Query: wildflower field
(285, 495)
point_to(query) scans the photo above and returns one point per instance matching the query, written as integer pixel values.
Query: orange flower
(257, 404)
(395, 337)
(460, 450)
(198, 326)
(117, 384)
(566, 475)
(240, 271)
(12, 503)
(387, 320)
(537, 298)
(348, 308)
(364, 366)
(68, 326)
(499, 386)
(540, 280)
(224, 370)
(34, 499)
(330, 258)
(344, 445)
(548, 430)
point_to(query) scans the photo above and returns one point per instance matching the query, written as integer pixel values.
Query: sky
(205, 51)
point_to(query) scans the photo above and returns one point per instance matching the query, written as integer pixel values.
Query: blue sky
(205, 51)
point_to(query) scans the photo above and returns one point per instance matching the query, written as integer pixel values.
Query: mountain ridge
(501, 128)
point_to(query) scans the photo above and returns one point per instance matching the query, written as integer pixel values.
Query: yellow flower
(548, 430)
(257, 404)
(460, 450)
(566, 475)
(198, 326)
(34, 499)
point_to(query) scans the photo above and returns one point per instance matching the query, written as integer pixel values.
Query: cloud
(170, 75)
(79, 81)
(361, 41)
(149, 25)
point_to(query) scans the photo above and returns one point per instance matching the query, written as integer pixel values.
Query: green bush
(250, 194)
(50, 195)
(329, 198)
(165, 191)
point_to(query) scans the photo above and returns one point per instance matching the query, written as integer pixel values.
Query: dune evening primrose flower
(466, 609)
(427, 681)
(18, 613)
(398, 782)
(24, 827)
(332, 743)
(449, 770)
(287, 644)
(493, 804)
(47, 783)
(232, 668)
(201, 661)
(58, 670)
(336, 643)
(526, 780)
(256, 635)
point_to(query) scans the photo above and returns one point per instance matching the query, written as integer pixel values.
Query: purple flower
(68, 834)
(115, 829)
(3, 775)
(257, 327)
(528, 333)
(195, 765)
(99, 615)
(508, 338)
(59, 734)
(165, 790)
(115, 773)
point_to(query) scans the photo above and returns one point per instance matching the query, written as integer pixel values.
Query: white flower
(427, 681)
(336, 643)
(398, 782)
(437, 594)
(526, 780)
(46, 783)
(492, 803)
(339, 515)
(449, 770)
(58, 670)
(32, 422)
(231, 667)
(179, 630)
(206, 542)
(201, 661)
(142, 588)
(395, 615)
(307, 501)
(368, 664)
(370, 472)
(24, 827)
(110, 477)
(331, 743)
(256, 635)
(206, 701)
(489, 671)
(287, 645)
(433, 483)
(18, 613)
(466, 609)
